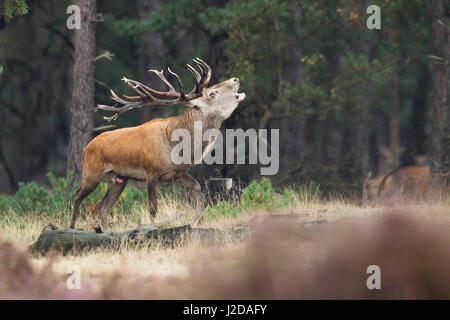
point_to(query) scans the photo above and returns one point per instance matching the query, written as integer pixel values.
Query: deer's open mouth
(239, 96)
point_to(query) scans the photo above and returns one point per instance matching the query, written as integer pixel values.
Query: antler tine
(206, 78)
(127, 106)
(108, 108)
(200, 67)
(180, 84)
(197, 75)
(149, 92)
(116, 98)
(197, 78)
(143, 95)
(160, 75)
(112, 118)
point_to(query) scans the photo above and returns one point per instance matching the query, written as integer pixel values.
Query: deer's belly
(130, 173)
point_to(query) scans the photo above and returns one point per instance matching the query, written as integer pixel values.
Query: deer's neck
(187, 119)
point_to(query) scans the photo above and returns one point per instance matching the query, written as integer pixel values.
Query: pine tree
(12, 8)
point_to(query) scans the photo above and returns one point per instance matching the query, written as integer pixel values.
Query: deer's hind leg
(113, 193)
(152, 189)
(86, 188)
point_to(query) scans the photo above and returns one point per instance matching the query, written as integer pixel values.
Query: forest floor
(102, 269)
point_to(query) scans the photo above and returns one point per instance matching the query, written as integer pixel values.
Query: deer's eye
(212, 94)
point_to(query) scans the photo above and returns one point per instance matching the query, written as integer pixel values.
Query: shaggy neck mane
(186, 121)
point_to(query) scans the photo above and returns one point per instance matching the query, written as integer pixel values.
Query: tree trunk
(75, 241)
(363, 125)
(82, 104)
(438, 86)
(394, 123)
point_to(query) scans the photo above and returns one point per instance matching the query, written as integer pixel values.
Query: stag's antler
(150, 97)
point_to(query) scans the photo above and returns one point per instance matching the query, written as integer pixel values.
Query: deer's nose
(236, 80)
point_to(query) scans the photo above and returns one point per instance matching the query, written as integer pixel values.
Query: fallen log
(75, 241)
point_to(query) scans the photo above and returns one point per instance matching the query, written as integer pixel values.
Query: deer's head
(219, 100)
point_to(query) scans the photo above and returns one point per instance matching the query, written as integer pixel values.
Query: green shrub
(221, 209)
(31, 197)
(259, 194)
(287, 198)
(255, 195)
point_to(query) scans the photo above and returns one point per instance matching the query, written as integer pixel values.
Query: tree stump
(219, 189)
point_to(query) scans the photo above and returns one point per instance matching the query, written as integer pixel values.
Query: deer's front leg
(187, 181)
(152, 189)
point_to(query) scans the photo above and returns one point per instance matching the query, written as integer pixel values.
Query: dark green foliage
(12, 8)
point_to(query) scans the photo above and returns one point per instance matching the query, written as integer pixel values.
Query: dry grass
(280, 261)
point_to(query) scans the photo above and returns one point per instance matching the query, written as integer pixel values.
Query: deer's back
(140, 147)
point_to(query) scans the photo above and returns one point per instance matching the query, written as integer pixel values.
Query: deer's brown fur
(411, 181)
(143, 153)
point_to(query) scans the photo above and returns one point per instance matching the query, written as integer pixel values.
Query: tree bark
(82, 103)
(439, 87)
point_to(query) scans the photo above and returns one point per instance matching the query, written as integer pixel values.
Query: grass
(22, 226)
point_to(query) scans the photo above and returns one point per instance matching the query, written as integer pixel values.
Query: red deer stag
(411, 182)
(143, 153)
